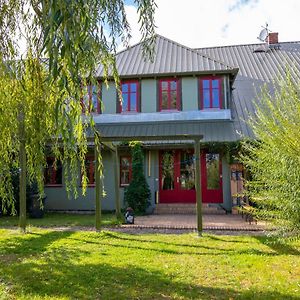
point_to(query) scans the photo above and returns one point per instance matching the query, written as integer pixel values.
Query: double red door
(177, 177)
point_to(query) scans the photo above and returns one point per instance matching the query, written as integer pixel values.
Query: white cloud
(199, 23)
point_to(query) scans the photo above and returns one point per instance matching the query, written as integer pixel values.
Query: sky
(204, 23)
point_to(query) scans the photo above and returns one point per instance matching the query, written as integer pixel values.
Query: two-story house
(184, 92)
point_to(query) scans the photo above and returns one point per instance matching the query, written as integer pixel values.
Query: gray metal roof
(255, 70)
(170, 58)
(211, 131)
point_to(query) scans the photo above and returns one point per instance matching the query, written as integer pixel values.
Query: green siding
(57, 198)
(109, 98)
(153, 178)
(189, 93)
(148, 95)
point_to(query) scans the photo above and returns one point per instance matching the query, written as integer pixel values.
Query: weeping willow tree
(274, 159)
(40, 98)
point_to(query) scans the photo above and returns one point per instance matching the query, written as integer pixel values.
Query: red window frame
(90, 93)
(91, 170)
(129, 93)
(122, 168)
(210, 89)
(54, 172)
(169, 90)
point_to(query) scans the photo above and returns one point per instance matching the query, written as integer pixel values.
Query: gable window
(90, 101)
(90, 169)
(125, 170)
(169, 98)
(210, 92)
(130, 96)
(52, 173)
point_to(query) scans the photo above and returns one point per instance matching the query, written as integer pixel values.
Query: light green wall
(189, 93)
(148, 95)
(109, 98)
(57, 198)
(151, 174)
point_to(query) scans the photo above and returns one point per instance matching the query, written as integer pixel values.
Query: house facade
(183, 92)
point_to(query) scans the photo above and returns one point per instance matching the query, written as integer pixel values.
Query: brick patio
(210, 222)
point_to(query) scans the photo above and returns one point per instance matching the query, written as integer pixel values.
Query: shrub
(137, 194)
(12, 207)
(273, 159)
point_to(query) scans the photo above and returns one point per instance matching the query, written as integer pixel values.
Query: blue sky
(201, 23)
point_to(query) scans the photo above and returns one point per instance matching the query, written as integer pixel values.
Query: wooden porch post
(99, 188)
(198, 187)
(117, 181)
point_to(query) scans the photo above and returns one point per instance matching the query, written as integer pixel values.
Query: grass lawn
(60, 219)
(47, 264)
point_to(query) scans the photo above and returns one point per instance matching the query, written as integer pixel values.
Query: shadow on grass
(103, 281)
(180, 249)
(226, 240)
(133, 238)
(278, 246)
(67, 272)
(30, 243)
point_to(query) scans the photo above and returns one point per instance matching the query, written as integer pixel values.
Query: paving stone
(210, 222)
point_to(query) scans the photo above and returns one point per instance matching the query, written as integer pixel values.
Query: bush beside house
(137, 194)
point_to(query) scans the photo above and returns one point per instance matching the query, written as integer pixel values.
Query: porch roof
(216, 131)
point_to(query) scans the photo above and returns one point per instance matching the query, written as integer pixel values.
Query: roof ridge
(242, 45)
(180, 45)
(196, 52)
(128, 48)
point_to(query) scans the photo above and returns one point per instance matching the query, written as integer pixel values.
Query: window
(90, 169)
(91, 99)
(125, 170)
(53, 174)
(130, 95)
(169, 94)
(210, 92)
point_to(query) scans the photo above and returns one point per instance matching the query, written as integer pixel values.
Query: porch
(189, 222)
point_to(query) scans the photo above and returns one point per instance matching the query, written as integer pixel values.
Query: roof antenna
(263, 37)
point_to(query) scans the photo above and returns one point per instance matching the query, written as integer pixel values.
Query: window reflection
(167, 178)
(169, 94)
(187, 171)
(213, 171)
(125, 170)
(129, 96)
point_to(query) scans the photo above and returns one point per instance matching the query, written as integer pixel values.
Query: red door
(211, 178)
(177, 176)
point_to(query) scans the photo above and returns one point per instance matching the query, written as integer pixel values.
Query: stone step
(181, 208)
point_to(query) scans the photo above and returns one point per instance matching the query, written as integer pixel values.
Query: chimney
(273, 38)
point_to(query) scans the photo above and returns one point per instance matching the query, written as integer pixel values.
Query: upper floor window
(125, 170)
(210, 92)
(169, 94)
(53, 173)
(130, 95)
(91, 99)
